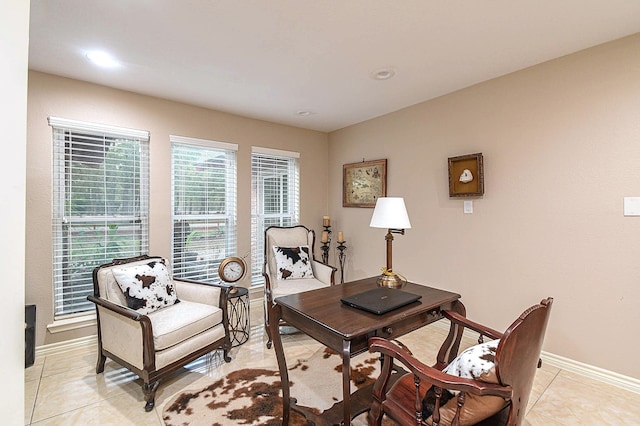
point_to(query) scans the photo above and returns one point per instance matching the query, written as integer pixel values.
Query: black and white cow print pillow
(293, 262)
(146, 287)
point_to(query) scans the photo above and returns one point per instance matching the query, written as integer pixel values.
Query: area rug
(252, 396)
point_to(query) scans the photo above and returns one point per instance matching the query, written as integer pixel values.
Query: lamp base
(391, 281)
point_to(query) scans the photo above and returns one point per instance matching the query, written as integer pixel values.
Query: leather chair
(276, 282)
(155, 344)
(496, 395)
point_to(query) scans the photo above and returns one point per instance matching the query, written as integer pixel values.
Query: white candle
(340, 237)
(325, 221)
(325, 236)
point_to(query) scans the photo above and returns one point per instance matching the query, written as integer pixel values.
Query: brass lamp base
(391, 281)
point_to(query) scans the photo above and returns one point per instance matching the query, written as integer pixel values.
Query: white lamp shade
(390, 212)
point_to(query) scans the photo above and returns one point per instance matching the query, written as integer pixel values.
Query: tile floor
(63, 389)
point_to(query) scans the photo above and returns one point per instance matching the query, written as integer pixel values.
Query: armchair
(488, 384)
(154, 338)
(282, 272)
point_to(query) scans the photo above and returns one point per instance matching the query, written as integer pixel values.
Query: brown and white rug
(252, 396)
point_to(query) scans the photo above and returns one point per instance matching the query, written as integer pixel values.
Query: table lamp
(390, 213)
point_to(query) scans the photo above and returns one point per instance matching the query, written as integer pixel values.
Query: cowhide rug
(252, 396)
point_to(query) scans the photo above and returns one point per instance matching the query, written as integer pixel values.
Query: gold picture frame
(363, 183)
(466, 175)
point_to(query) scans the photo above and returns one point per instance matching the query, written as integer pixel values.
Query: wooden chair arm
(124, 311)
(467, 323)
(433, 375)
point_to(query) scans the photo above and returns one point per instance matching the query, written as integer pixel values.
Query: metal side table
(239, 316)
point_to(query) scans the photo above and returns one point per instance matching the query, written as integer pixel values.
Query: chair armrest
(467, 323)
(215, 294)
(434, 376)
(323, 272)
(118, 325)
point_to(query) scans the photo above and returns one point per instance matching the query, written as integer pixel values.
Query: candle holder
(341, 259)
(326, 244)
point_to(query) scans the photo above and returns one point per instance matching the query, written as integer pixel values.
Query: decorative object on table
(363, 183)
(239, 315)
(341, 256)
(390, 213)
(325, 239)
(466, 176)
(231, 270)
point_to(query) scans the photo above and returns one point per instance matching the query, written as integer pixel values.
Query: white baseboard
(596, 373)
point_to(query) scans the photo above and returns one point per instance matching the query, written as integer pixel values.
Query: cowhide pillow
(147, 287)
(293, 262)
(477, 362)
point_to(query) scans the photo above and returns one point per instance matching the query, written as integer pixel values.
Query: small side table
(238, 304)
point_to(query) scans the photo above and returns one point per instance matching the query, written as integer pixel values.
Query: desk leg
(275, 315)
(346, 381)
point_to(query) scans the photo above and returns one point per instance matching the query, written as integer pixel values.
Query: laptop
(380, 300)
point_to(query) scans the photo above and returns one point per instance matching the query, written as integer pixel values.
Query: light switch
(468, 206)
(632, 206)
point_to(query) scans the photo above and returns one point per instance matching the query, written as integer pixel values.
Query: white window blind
(203, 188)
(275, 199)
(100, 205)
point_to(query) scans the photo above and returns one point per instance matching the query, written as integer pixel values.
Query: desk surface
(325, 308)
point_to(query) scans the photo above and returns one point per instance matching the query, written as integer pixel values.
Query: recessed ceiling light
(304, 113)
(383, 74)
(102, 59)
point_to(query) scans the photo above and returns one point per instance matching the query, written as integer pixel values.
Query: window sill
(73, 323)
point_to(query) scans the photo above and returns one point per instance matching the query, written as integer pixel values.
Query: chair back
(289, 236)
(518, 355)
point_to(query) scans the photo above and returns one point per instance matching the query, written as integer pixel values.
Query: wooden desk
(321, 315)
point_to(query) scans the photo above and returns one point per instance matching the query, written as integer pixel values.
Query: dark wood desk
(321, 315)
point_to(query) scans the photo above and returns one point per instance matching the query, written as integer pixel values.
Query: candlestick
(325, 239)
(341, 258)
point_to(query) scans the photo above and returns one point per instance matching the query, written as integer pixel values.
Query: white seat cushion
(179, 322)
(286, 287)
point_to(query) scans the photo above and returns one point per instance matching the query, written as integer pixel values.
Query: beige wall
(561, 144)
(60, 97)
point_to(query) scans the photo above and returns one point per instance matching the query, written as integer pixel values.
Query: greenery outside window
(100, 205)
(275, 198)
(203, 188)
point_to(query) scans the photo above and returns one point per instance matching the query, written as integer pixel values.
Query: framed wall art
(363, 183)
(466, 176)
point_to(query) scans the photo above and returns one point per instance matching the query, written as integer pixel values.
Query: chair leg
(266, 328)
(149, 390)
(100, 364)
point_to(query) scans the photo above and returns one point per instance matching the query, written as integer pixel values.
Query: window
(100, 205)
(275, 198)
(203, 188)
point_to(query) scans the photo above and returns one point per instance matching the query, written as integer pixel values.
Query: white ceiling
(269, 59)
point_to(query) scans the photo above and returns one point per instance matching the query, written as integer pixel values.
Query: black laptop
(380, 300)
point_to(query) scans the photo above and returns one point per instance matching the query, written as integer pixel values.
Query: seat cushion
(182, 321)
(478, 363)
(147, 287)
(286, 287)
(293, 262)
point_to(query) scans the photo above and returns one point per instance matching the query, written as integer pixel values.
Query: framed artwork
(466, 176)
(363, 183)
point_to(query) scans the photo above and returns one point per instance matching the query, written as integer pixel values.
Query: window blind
(275, 199)
(203, 189)
(100, 205)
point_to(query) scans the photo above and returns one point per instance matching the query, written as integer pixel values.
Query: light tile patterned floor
(63, 389)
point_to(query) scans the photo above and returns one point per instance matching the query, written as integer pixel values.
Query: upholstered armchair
(290, 266)
(153, 324)
(487, 384)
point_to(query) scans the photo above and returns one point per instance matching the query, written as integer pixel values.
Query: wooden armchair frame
(516, 360)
